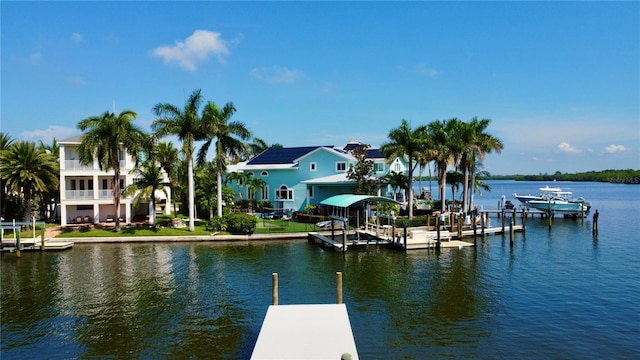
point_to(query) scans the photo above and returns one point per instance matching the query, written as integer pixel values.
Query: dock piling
(595, 223)
(338, 287)
(274, 289)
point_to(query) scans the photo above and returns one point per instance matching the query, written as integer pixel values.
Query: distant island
(628, 176)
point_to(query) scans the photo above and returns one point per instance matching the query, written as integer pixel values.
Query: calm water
(556, 294)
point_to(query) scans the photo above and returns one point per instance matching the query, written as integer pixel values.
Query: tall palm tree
(28, 169)
(167, 156)
(256, 147)
(106, 138)
(148, 179)
(228, 135)
(443, 149)
(186, 123)
(405, 142)
(481, 144)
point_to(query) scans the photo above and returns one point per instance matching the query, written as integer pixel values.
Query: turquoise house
(299, 176)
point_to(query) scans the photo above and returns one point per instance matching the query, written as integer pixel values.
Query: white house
(86, 192)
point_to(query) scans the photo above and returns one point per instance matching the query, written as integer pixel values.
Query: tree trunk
(116, 195)
(219, 191)
(442, 177)
(191, 194)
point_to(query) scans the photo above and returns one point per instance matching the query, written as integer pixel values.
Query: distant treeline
(628, 176)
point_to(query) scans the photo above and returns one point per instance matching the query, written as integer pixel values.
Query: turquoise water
(562, 293)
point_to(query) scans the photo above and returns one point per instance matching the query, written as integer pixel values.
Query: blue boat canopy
(346, 200)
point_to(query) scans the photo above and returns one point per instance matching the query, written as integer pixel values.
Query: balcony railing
(78, 194)
(76, 165)
(105, 194)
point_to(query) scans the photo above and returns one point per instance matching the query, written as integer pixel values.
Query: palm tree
(254, 184)
(442, 148)
(256, 147)
(403, 141)
(167, 156)
(148, 179)
(397, 181)
(187, 125)
(28, 169)
(228, 140)
(49, 199)
(5, 142)
(481, 144)
(206, 185)
(454, 179)
(106, 138)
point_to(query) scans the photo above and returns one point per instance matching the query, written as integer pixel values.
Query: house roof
(346, 200)
(72, 140)
(337, 179)
(281, 155)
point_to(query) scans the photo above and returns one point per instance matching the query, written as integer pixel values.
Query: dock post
(438, 233)
(475, 231)
(482, 223)
(459, 227)
(502, 219)
(18, 241)
(595, 222)
(338, 287)
(428, 222)
(405, 238)
(344, 240)
(511, 231)
(42, 237)
(274, 289)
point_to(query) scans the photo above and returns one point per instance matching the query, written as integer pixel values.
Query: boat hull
(570, 208)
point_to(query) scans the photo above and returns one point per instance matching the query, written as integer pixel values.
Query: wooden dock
(305, 332)
(9, 245)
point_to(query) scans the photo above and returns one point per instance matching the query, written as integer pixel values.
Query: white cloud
(276, 74)
(424, 70)
(35, 57)
(612, 149)
(47, 135)
(567, 148)
(76, 37)
(194, 49)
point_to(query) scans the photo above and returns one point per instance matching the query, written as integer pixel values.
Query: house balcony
(76, 165)
(78, 194)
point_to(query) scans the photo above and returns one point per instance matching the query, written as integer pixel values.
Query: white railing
(78, 195)
(105, 194)
(76, 165)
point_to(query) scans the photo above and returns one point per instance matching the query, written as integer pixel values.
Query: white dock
(305, 332)
(33, 245)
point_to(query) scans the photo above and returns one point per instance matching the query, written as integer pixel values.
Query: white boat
(556, 201)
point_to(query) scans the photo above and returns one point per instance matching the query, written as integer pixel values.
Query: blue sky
(559, 80)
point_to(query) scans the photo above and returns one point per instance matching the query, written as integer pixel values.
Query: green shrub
(216, 223)
(240, 223)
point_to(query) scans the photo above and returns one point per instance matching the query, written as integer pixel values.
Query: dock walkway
(314, 331)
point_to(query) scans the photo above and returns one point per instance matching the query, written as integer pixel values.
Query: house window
(265, 193)
(397, 167)
(310, 192)
(73, 184)
(90, 184)
(378, 167)
(249, 174)
(105, 185)
(313, 166)
(81, 184)
(341, 166)
(284, 193)
(264, 173)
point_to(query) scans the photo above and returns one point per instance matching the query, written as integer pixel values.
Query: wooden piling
(405, 238)
(502, 219)
(338, 287)
(438, 233)
(511, 231)
(595, 223)
(274, 289)
(17, 232)
(42, 237)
